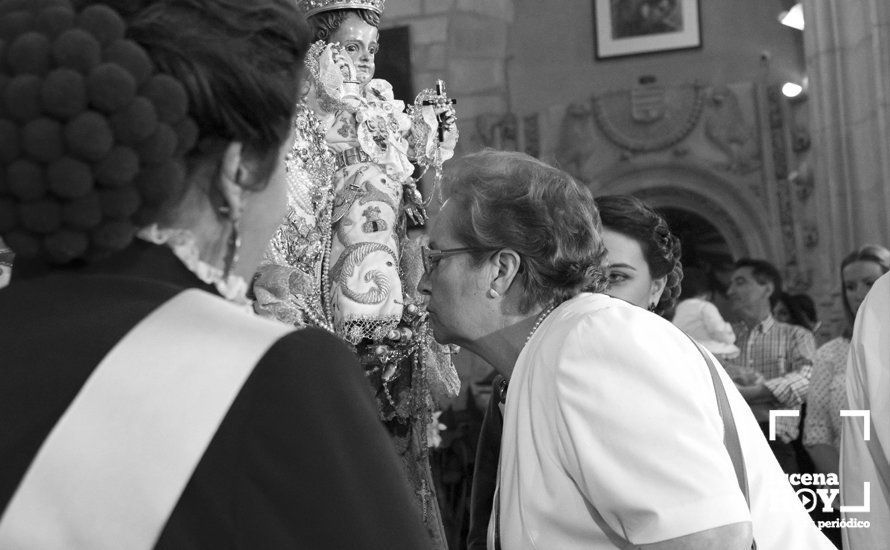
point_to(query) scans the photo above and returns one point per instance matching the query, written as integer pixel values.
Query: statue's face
(359, 40)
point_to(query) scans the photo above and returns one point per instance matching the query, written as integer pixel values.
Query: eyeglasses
(431, 256)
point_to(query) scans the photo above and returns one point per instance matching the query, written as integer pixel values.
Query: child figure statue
(343, 260)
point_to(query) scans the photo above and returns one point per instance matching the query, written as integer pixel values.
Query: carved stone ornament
(726, 128)
(498, 130)
(803, 181)
(649, 117)
(798, 278)
(780, 162)
(810, 232)
(576, 136)
(801, 140)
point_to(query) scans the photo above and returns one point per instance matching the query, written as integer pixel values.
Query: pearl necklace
(541, 316)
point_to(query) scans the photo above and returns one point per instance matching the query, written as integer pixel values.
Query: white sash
(114, 466)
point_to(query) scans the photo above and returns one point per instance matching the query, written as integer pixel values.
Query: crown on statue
(312, 7)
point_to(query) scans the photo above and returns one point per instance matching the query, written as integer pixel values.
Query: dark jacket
(485, 471)
(299, 461)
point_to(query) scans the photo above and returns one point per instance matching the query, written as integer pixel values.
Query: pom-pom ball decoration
(111, 87)
(9, 215)
(55, 20)
(83, 213)
(26, 180)
(168, 96)
(29, 53)
(118, 168)
(22, 96)
(77, 49)
(135, 122)
(69, 178)
(14, 22)
(92, 137)
(63, 93)
(89, 136)
(130, 56)
(41, 216)
(9, 141)
(42, 139)
(103, 23)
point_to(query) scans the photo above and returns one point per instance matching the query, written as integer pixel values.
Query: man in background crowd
(775, 362)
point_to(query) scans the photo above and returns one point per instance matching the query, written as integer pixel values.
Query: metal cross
(439, 100)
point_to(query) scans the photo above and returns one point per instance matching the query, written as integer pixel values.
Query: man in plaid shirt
(776, 361)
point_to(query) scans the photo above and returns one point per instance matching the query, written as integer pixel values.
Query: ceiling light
(790, 89)
(793, 18)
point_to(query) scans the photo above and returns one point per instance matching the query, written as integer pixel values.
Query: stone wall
(465, 43)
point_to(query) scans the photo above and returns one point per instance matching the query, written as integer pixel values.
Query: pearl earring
(492, 293)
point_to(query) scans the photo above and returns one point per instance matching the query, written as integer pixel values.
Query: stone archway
(703, 244)
(680, 185)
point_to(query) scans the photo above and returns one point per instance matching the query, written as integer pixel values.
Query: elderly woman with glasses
(612, 433)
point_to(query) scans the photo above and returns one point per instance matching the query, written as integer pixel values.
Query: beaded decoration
(540, 319)
(428, 151)
(92, 138)
(303, 241)
(320, 52)
(312, 7)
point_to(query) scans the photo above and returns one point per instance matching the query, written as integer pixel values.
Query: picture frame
(635, 27)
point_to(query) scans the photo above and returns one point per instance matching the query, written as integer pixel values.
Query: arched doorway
(714, 203)
(703, 245)
(704, 248)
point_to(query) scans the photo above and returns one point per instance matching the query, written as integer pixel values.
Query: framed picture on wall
(632, 27)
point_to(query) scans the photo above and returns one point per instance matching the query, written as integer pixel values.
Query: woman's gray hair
(511, 200)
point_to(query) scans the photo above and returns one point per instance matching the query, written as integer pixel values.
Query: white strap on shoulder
(114, 466)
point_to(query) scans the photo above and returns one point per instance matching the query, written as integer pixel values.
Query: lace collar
(183, 244)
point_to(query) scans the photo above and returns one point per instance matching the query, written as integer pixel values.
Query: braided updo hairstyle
(104, 106)
(631, 217)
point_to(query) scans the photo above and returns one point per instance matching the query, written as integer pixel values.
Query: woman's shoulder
(590, 313)
(309, 365)
(834, 349)
(608, 337)
(602, 306)
(586, 302)
(312, 349)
